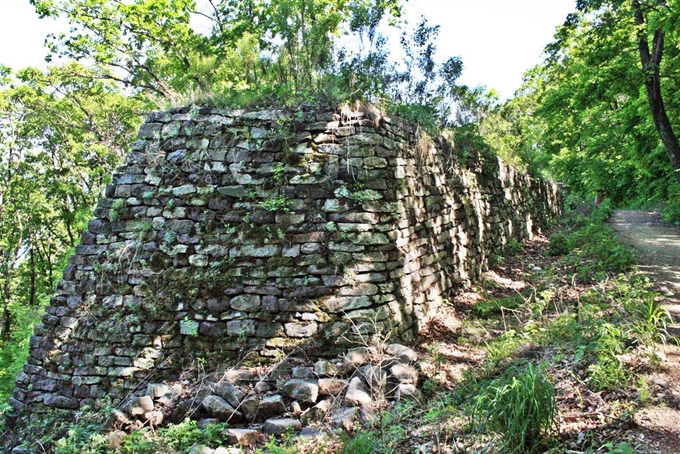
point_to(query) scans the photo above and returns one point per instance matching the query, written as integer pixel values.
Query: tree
(584, 111)
(653, 20)
(61, 137)
(150, 46)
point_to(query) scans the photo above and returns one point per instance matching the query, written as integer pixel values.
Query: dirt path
(658, 247)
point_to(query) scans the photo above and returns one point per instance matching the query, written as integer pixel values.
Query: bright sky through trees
(497, 39)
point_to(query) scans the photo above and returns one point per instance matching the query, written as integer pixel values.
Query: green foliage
(620, 448)
(86, 438)
(279, 203)
(671, 209)
(62, 136)
(519, 407)
(491, 306)
(389, 433)
(596, 251)
(590, 245)
(361, 443)
(558, 244)
(116, 209)
(503, 347)
(513, 247)
(13, 353)
(647, 320)
(608, 374)
(255, 51)
(584, 113)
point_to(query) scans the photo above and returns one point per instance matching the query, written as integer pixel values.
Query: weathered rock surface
(218, 408)
(281, 426)
(332, 386)
(302, 390)
(271, 406)
(243, 437)
(358, 393)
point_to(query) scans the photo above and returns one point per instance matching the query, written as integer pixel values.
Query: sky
(498, 40)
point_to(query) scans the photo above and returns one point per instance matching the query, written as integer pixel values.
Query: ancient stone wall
(232, 234)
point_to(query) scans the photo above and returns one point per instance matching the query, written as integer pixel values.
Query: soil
(658, 248)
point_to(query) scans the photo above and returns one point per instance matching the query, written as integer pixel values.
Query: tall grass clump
(518, 409)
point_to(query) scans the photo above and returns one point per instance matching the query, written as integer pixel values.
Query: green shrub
(608, 374)
(504, 347)
(513, 247)
(596, 251)
(519, 407)
(671, 211)
(558, 244)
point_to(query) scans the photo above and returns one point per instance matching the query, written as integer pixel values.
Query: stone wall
(232, 234)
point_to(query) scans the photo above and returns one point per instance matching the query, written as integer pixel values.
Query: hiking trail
(658, 248)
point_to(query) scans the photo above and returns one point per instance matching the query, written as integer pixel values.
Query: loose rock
(141, 405)
(281, 426)
(271, 406)
(304, 391)
(243, 437)
(357, 394)
(218, 408)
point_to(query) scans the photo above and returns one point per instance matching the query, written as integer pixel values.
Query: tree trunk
(6, 322)
(32, 289)
(651, 63)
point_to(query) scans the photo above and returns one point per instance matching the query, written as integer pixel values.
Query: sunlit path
(658, 247)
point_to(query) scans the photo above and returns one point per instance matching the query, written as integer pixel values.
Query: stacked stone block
(231, 233)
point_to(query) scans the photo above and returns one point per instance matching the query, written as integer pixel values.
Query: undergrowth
(590, 245)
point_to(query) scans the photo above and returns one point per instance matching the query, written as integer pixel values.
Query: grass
(519, 408)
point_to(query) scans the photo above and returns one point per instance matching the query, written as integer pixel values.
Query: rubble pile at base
(293, 396)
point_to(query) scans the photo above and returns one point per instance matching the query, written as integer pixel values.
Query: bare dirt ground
(658, 247)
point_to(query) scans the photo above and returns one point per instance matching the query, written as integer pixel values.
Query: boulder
(271, 406)
(301, 390)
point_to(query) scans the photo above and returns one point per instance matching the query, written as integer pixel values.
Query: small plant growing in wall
(142, 229)
(279, 172)
(188, 327)
(116, 210)
(279, 203)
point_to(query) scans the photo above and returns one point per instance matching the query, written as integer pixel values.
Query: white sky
(498, 40)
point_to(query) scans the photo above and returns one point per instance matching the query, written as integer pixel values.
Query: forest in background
(582, 117)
